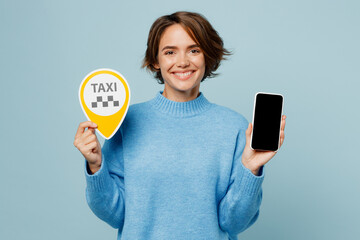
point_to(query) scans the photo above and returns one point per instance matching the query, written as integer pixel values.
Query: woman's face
(181, 62)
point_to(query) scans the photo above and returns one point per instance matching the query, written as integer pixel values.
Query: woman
(180, 167)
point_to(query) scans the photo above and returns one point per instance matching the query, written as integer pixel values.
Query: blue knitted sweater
(174, 171)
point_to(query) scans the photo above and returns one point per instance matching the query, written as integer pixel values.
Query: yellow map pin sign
(104, 96)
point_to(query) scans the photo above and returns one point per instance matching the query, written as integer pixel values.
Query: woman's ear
(156, 66)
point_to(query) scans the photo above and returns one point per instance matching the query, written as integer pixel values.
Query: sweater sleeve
(105, 188)
(239, 208)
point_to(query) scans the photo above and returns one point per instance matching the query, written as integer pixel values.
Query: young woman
(179, 167)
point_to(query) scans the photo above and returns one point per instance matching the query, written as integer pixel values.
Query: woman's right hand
(88, 144)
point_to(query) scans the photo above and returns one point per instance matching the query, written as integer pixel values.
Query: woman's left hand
(253, 159)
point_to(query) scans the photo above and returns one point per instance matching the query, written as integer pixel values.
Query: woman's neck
(181, 96)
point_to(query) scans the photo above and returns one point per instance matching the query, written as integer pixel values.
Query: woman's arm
(104, 175)
(239, 208)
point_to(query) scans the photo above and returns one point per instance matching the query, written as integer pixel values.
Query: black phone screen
(267, 120)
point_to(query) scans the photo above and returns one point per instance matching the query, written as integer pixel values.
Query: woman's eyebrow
(193, 46)
(168, 47)
(174, 47)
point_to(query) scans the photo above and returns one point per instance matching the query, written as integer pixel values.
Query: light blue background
(308, 50)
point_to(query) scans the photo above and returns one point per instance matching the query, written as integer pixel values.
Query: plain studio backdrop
(307, 50)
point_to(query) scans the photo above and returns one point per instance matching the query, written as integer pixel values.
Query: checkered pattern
(101, 102)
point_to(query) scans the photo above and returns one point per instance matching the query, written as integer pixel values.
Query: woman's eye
(194, 51)
(169, 53)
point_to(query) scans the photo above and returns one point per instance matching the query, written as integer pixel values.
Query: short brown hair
(199, 29)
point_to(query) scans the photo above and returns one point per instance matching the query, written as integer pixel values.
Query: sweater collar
(181, 109)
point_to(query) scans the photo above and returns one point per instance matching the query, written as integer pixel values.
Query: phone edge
(282, 111)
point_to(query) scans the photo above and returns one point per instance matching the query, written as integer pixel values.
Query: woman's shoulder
(138, 108)
(135, 113)
(229, 116)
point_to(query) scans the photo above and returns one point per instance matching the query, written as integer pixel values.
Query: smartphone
(267, 115)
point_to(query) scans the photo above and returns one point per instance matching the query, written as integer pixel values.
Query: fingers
(83, 137)
(282, 130)
(90, 131)
(82, 126)
(248, 134)
(86, 138)
(89, 149)
(88, 144)
(282, 127)
(282, 137)
(89, 139)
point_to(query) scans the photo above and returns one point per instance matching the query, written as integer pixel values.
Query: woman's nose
(182, 61)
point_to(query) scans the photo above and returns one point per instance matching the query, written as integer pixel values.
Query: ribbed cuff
(250, 184)
(100, 180)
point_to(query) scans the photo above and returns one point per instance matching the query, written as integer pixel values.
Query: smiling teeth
(183, 74)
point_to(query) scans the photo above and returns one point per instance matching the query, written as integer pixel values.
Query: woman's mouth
(183, 75)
